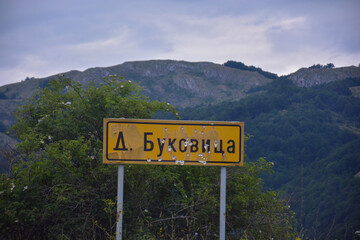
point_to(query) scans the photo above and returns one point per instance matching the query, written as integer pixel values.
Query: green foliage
(311, 134)
(183, 203)
(60, 189)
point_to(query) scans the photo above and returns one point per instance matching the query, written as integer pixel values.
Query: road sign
(170, 142)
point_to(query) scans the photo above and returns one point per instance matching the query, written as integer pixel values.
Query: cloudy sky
(39, 38)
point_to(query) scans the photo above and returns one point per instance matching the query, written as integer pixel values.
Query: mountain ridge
(180, 83)
(308, 77)
(305, 77)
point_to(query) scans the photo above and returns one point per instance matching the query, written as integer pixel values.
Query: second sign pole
(222, 202)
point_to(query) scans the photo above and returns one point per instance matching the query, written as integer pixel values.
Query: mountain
(180, 83)
(306, 123)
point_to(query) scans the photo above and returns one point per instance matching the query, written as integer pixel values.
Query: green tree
(60, 189)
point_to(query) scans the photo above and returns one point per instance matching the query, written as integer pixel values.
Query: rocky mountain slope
(308, 77)
(180, 83)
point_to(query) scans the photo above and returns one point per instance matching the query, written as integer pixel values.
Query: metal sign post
(222, 202)
(120, 200)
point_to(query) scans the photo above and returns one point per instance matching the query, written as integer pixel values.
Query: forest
(311, 135)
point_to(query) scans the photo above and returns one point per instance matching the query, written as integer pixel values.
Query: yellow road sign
(170, 142)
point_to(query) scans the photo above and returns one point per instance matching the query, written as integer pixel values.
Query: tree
(320, 66)
(60, 189)
(330, 65)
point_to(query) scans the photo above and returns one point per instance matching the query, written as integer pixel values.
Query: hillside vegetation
(312, 136)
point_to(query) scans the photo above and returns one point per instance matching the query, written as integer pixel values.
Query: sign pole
(222, 202)
(120, 198)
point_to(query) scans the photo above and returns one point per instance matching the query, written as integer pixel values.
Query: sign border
(106, 159)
